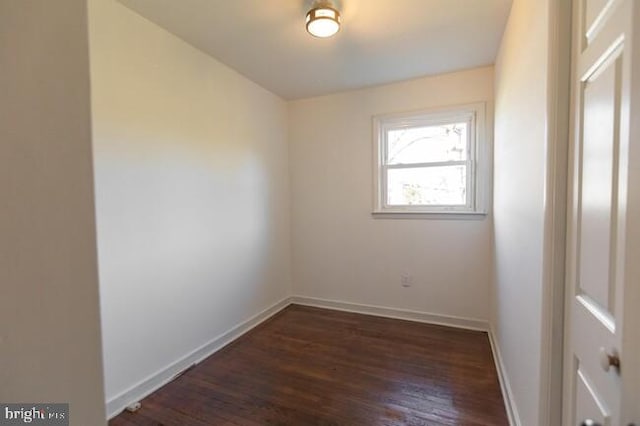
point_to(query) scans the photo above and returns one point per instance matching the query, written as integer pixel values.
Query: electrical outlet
(406, 280)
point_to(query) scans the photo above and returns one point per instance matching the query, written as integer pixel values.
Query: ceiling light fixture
(323, 20)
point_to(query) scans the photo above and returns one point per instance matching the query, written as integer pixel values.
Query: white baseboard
(404, 314)
(155, 381)
(505, 386)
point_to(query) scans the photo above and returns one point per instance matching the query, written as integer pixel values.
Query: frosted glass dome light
(323, 21)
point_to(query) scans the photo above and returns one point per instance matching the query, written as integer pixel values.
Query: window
(431, 162)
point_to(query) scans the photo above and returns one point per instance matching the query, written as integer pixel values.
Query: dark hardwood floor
(309, 366)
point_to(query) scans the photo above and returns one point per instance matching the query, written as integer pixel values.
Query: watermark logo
(34, 414)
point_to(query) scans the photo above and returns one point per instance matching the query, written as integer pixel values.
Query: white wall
(519, 207)
(339, 251)
(49, 309)
(192, 195)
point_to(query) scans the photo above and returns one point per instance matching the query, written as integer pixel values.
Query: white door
(603, 256)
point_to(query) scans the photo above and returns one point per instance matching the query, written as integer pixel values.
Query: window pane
(443, 142)
(427, 186)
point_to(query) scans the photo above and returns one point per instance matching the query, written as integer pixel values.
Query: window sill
(456, 215)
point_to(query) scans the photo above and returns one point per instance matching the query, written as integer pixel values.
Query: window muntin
(428, 162)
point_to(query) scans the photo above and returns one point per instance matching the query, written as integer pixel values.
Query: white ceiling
(381, 41)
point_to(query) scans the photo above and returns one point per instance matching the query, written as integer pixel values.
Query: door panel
(590, 336)
(600, 112)
(594, 12)
(589, 402)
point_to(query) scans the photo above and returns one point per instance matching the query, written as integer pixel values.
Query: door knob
(609, 359)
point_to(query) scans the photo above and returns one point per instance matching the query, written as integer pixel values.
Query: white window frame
(477, 160)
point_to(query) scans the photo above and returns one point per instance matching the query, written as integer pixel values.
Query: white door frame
(555, 219)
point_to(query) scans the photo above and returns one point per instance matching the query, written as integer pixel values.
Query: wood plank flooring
(309, 366)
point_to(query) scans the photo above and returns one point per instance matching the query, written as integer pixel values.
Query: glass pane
(442, 142)
(427, 186)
